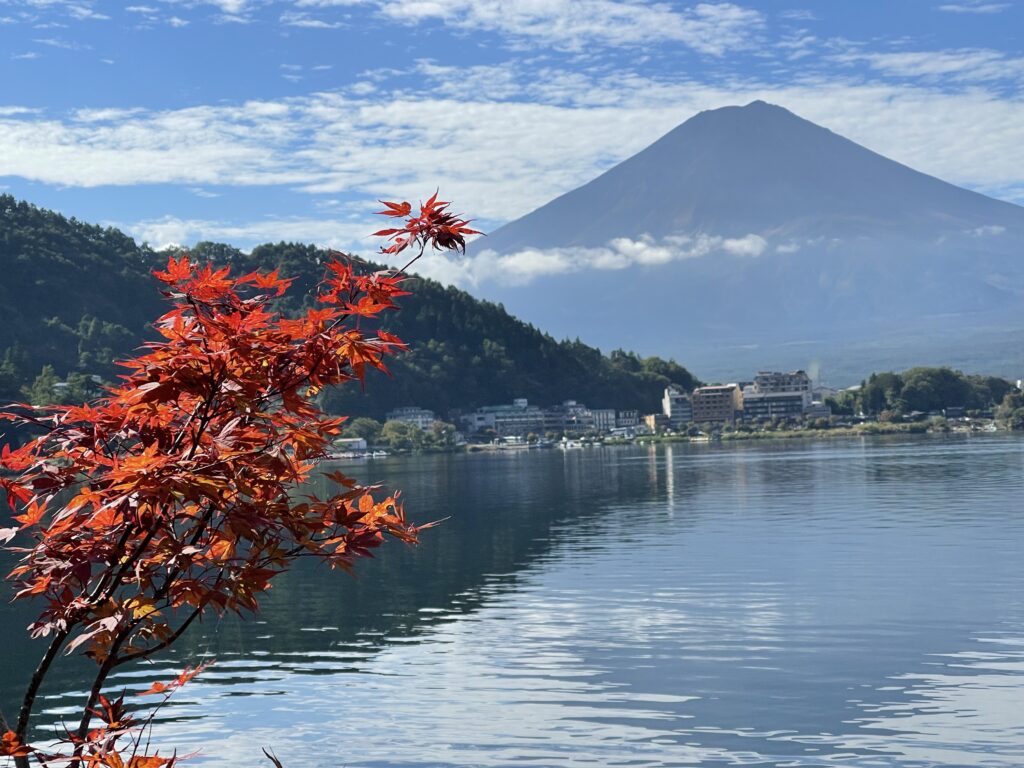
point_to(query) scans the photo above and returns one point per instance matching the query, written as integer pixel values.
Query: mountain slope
(751, 228)
(760, 169)
(71, 293)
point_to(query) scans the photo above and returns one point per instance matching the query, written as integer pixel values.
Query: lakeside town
(773, 404)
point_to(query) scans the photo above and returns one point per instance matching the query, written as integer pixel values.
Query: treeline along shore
(774, 405)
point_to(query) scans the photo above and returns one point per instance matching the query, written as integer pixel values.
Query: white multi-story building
(776, 381)
(570, 416)
(519, 418)
(677, 407)
(420, 417)
(627, 419)
(777, 395)
(604, 419)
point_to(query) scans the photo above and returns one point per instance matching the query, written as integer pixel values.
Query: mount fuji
(748, 237)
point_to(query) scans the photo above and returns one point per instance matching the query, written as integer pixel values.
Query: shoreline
(868, 429)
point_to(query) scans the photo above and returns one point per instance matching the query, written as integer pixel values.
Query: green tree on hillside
(366, 428)
(930, 389)
(11, 366)
(43, 390)
(880, 392)
(401, 436)
(1011, 410)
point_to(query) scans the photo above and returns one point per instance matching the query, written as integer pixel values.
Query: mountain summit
(750, 231)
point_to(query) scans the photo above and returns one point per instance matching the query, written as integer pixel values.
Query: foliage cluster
(402, 436)
(1010, 412)
(922, 389)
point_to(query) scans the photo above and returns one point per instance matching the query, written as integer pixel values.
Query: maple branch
(105, 588)
(129, 562)
(108, 574)
(28, 702)
(33, 688)
(97, 687)
(188, 424)
(113, 660)
(414, 259)
(144, 653)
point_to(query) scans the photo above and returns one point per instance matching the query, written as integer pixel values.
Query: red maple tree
(175, 494)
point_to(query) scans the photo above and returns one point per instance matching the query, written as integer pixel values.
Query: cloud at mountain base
(524, 266)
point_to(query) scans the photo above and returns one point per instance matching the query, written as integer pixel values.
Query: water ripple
(847, 603)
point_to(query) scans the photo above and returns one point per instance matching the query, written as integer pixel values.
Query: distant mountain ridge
(775, 234)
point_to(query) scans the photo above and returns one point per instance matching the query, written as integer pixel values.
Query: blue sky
(247, 121)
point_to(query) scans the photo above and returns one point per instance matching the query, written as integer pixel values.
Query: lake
(833, 603)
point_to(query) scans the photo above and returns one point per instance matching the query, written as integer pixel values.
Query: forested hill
(76, 296)
(71, 295)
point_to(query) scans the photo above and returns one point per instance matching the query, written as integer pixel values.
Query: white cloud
(710, 28)
(229, 7)
(498, 154)
(195, 146)
(974, 7)
(303, 20)
(76, 10)
(525, 266)
(67, 45)
(989, 230)
(174, 231)
(151, 15)
(233, 18)
(750, 245)
(82, 12)
(799, 14)
(27, 56)
(103, 115)
(965, 65)
(797, 46)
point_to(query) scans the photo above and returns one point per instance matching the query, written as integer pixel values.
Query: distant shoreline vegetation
(412, 440)
(401, 437)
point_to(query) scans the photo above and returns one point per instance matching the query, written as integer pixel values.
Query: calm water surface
(853, 603)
